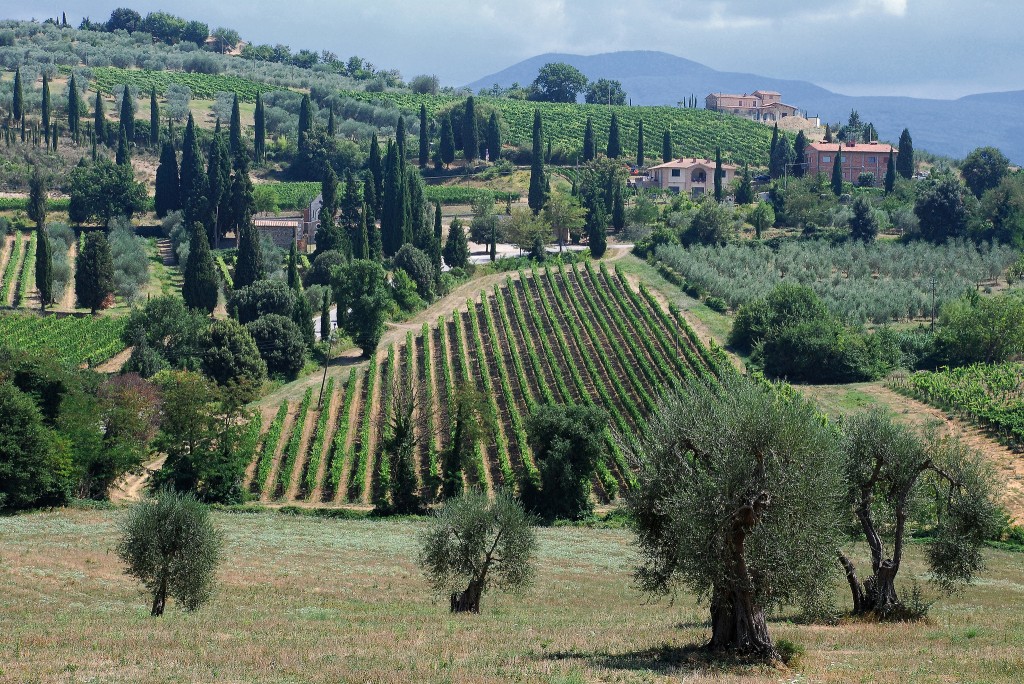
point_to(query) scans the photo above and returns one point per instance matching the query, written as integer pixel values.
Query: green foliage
(473, 545)
(362, 287)
(281, 344)
(35, 467)
(230, 357)
(567, 446)
(981, 330)
(203, 86)
(201, 284)
(863, 223)
(558, 82)
(169, 544)
(94, 272)
(456, 248)
(103, 190)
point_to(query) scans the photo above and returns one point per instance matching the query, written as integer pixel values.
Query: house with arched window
(690, 176)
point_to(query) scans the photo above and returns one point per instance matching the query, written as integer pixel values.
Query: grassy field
(312, 600)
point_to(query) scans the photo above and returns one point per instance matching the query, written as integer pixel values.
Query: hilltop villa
(857, 158)
(761, 105)
(690, 176)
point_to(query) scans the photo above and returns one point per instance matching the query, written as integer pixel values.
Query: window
(675, 173)
(843, 159)
(872, 160)
(825, 159)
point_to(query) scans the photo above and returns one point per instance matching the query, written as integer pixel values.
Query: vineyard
(71, 339)
(18, 269)
(695, 132)
(557, 335)
(877, 282)
(203, 86)
(991, 396)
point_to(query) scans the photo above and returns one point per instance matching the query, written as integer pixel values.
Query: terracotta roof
(880, 148)
(686, 163)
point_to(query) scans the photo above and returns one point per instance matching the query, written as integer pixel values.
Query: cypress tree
(242, 203)
(127, 119)
(350, 205)
(494, 137)
(99, 120)
(438, 227)
(235, 130)
(614, 144)
(447, 149)
(424, 156)
(456, 248)
(305, 120)
(328, 236)
(828, 133)
(302, 316)
(400, 141)
(666, 146)
(166, 197)
(18, 105)
(597, 227)
(837, 173)
(154, 119)
(890, 175)
(123, 156)
(618, 209)
(470, 141)
(94, 272)
(494, 241)
(260, 142)
(773, 170)
(799, 154)
(376, 168)
(905, 155)
(718, 174)
(36, 209)
(218, 175)
(325, 318)
(374, 244)
(393, 216)
(194, 185)
(538, 183)
(46, 108)
(588, 141)
(44, 267)
(330, 123)
(201, 282)
(640, 143)
(74, 104)
(249, 266)
(370, 195)
(360, 241)
(745, 191)
(417, 229)
(293, 267)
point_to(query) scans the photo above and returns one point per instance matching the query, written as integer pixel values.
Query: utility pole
(327, 363)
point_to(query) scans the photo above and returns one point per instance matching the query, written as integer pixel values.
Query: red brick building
(760, 105)
(856, 158)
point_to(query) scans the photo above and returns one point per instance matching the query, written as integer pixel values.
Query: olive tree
(474, 544)
(738, 498)
(896, 477)
(170, 545)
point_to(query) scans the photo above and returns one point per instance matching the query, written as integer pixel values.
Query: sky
(918, 48)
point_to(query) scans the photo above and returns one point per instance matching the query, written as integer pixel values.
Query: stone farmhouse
(855, 159)
(300, 228)
(690, 176)
(760, 105)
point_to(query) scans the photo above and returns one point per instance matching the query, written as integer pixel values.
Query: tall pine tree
(589, 149)
(328, 235)
(438, 227)
(166, 197)
(470, 141)
(127, 119)
(890, 175)
(718, 175)
(250, 265)
(614, 143)
(18, 102)
(154, 119)
(218, 175)
(905, 155)
(799, 154)
(538, 194)
(94, 272)
(392, 220)
(74, 105)
(666, 146)
(123, 156)
(400, 141)
(201, 282)
(447, 148)
(99, 120)
(640, 143)
(45, 104)
(305, 120)
(618, 209)
(494, 137)
(745, 190)
(837, 173)
(44, 267)
(360, 242)
(194, 186)
(293, 267)
(235, 130)
(424, 156)
(260, 141)
(242, 201)
(773, 169)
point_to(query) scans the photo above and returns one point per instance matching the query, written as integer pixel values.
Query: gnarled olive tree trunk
(468, 601)
(737, 621)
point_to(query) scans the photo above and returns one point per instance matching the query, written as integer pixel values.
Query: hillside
(565, 335)
(695, 132)
(947, 127)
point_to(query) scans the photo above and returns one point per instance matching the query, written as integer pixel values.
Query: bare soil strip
(300, 460)
(267, 488)
(355, 410)
(333, 406)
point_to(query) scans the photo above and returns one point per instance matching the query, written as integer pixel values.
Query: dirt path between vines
(116, 362)
(269, 488)
(1008, 464)
(129, 489)
(332, 407)
(300, 459)
(354, 412)
(67, 301)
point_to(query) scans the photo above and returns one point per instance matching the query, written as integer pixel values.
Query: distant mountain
(947, 127)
